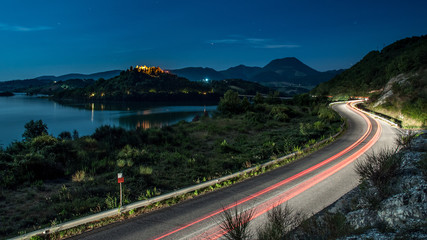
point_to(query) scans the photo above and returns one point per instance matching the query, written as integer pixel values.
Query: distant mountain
(198, 73)
(290, 67)
(286, 71)
(22, 85)
(241, 86)
(395, 79)
(46, 81)
(94, 76)
(57, 86)
(241, 72)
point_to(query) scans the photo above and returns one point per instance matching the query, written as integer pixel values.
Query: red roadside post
(120, 180)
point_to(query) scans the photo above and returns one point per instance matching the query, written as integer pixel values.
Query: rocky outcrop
(400, 215)
(405, 211)
(388, 92)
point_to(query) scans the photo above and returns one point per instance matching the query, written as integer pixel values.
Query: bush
(330, 226)
(236, 224)
(380, 169)
(279, 113)
(404, 140)
(280, 221)
(230, 103)
(327, 114)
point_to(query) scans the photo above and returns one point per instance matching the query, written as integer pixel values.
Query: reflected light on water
(147, 112)
(93, 112)
(145, 124)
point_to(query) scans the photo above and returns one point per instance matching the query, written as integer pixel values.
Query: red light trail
(217, 232)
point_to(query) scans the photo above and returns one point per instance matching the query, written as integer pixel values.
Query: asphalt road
(330, 175)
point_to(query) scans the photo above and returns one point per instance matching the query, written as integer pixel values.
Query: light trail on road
(291, 193)
(216, 232)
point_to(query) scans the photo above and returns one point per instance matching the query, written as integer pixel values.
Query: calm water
(85, 118)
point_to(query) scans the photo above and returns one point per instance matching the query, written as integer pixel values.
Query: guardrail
(372, 114)
(144, 203)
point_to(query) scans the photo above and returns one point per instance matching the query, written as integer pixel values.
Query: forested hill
(395, 80)
(154, 84)
(377, 68)
(139, 83)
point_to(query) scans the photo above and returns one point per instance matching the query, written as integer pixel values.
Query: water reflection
(160, 117)
(86, 117)
(93, 112)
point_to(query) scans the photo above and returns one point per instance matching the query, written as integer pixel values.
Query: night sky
(54, 37)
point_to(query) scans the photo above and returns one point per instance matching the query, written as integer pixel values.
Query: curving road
(310, 183)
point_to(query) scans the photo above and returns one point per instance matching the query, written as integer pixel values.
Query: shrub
(143, 170)
(380, 169)
(279, 113)
(330, 226)
(319, 125)
(235, 224)
(111, 202)
(326, 113)
(230, 103)
(42, 143)
(404, 140)
(280, 220)
(79, 176)
(121, 163)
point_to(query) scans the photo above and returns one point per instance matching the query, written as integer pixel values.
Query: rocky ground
(365, 213)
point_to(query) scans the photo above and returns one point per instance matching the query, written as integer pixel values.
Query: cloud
(252, 42)
(257, 40)
(281, 46)
(15, 28)
(225, 41)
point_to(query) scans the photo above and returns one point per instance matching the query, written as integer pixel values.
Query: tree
(75, 134)
(273, 98)
(65, 135)
(230, 103)
(34, 129)
(258, 99)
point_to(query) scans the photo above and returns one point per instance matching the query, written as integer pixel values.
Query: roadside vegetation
(46, 180)
(408, 101)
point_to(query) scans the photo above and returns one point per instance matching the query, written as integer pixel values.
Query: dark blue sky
(54, 37)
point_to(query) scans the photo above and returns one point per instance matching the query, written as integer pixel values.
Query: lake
(86, 117)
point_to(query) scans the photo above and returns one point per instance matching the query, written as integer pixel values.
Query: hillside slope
(394, 78)
(140, 83)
